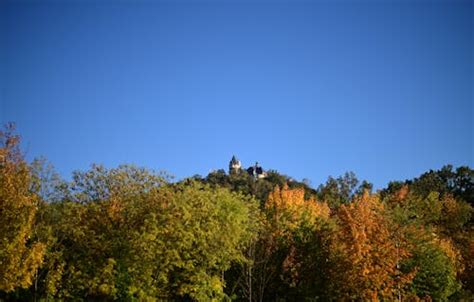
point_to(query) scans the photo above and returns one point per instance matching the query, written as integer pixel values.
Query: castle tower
(256, 171)
(234, 165)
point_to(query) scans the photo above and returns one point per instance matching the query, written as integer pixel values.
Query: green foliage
(435, 270)
(46, 182)
(422, 210)
(259, 188)
(128, 234)
(341, 190)
(282, 258)
(167, 243)
(440, 238)
(100, 183)
(459, 183)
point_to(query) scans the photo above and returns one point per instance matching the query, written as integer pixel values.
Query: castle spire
(234, 165)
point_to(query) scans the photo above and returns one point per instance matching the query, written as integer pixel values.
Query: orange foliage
(401, 194)
(291, 204)
(114, 209)
(288, 211)
(368, 252)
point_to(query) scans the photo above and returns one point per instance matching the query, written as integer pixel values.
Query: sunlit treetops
(131, 234)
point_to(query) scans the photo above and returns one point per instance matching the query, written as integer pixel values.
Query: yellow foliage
(452, 252)
(291, 206)
(289, 214)
(20, 256)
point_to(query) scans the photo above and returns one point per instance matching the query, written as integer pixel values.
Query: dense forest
(132, 234)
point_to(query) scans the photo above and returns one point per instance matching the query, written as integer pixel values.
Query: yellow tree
(367, 253)
(295, 224)
(20, 256)
(288, 208)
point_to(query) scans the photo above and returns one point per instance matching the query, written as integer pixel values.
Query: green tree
(169, 242)
(436, 227)
(435, 262)
(100, 183)
(341, 190)
(459, 183)
(46, 181)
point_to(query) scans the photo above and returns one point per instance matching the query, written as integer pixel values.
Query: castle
(256, 171)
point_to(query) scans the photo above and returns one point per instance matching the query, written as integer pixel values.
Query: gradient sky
(311, 89)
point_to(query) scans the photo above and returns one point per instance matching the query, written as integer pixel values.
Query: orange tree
(366, 253)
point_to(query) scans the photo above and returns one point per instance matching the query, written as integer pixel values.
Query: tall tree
(367, 252)
(100, 183)
(46, 181)
(341, 190)
(436, 263)
(20, 254)
(438, 228)
(290, 223)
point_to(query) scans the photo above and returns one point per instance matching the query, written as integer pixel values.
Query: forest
(132, 234)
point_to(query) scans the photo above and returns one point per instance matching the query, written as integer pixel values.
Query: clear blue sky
(382, 88)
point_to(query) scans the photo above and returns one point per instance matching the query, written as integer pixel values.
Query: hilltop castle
(235, 166)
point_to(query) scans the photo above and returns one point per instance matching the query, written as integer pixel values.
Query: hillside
(130, 234)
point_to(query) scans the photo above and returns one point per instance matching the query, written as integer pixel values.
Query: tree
(436, 263)
(100, 183)
(167, 243)
(366, 253)
(288, 208)
(438, 227)
(341, 190)
(128, 234)
(301, 229)
(46, 181)
(290, 223)
(20, 253)
(458, 183)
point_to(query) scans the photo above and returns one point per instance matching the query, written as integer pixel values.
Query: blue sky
(311, 89)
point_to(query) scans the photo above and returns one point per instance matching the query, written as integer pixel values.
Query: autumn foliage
(367, 253)
(131, 234)
(20, 254)
(289, 208)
